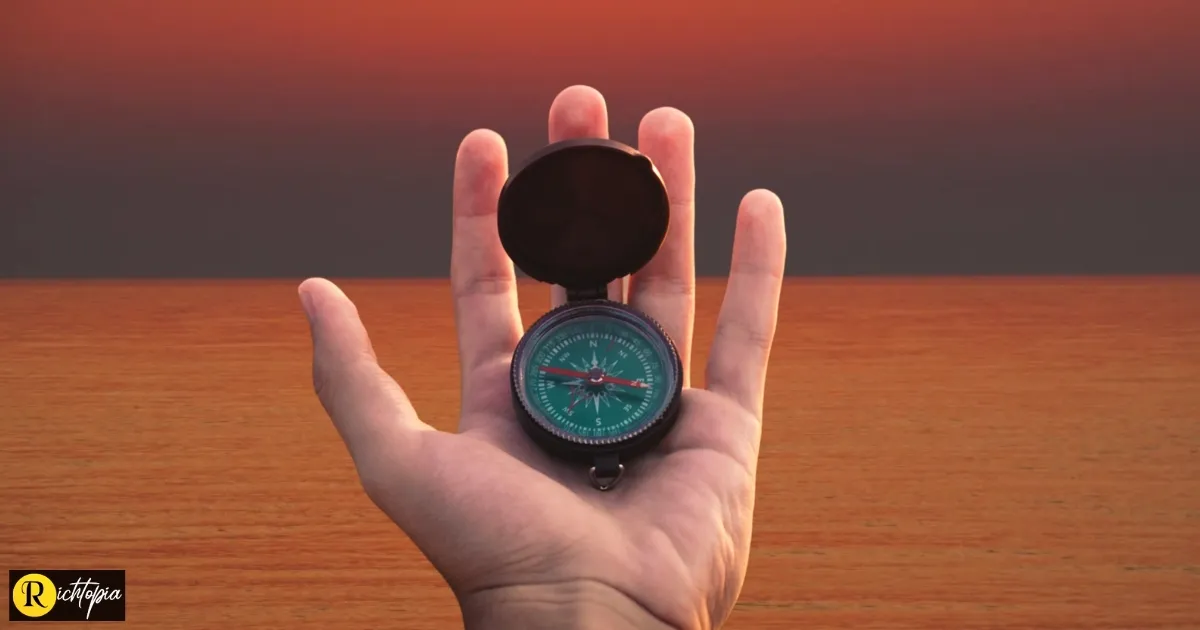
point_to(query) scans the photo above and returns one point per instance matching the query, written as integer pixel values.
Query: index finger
(481, 273)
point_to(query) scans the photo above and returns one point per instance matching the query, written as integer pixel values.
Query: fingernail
(307, 305)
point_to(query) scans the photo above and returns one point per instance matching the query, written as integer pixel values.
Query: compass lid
(581, 213)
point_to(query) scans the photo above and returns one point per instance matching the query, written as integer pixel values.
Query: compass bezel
(581, 213)
(581, 448)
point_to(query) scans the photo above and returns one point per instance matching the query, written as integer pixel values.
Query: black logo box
(74, 605)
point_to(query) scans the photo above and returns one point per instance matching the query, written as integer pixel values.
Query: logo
(66, 595)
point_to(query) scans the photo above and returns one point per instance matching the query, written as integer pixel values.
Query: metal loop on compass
(606, 482)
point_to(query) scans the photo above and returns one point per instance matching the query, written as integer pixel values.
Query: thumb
(373, 416)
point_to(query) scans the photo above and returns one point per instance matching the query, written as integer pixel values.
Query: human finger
(665, 288)
(580, 112)
(737, 364)
(481, 274)
(370, 411)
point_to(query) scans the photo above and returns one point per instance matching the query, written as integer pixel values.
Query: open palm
(512, 530)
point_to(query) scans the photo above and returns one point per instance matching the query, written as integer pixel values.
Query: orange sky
(367, 60)
(917, 135)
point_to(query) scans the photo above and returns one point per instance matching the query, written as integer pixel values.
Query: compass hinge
(591, 293)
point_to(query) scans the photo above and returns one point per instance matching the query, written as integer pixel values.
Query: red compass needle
(604, 378)
(627, 383)
(562, 372)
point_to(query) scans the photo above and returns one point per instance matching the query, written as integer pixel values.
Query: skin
(523, 540)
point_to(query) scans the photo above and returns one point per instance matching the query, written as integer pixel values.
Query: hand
(523, 540)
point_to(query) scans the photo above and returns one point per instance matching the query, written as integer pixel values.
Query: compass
(594, 381)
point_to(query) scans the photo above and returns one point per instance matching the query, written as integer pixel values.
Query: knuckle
(682, 204)
(745, 336)
(756, 270)
(491, 283)
(330, 376)
(671, 286)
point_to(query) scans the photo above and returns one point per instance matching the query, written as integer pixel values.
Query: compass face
(597, 377)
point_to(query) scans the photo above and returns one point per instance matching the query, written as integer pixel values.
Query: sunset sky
(285, 138)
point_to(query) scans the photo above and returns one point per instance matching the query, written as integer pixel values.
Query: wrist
(576, 605)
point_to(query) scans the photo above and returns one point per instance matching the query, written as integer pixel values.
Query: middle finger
(580, 112)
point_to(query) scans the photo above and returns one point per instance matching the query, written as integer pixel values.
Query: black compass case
(581, 213)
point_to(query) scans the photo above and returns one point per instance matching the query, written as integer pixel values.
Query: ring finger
(665, 288)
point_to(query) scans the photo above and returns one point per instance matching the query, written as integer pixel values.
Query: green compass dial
(597, 378)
